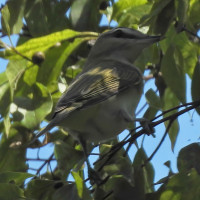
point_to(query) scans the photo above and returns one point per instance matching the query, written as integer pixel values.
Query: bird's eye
(119, 33)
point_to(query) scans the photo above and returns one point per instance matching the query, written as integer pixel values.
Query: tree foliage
(54, 39)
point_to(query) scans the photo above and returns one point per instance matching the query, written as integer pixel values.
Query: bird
(101, 102)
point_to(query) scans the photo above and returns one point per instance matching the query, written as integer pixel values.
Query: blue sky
(189, 132)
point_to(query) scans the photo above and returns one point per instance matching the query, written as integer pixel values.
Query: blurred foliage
(54, 39)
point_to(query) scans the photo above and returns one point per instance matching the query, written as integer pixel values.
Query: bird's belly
(104, 120)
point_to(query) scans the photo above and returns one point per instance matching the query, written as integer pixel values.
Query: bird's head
(121, 44)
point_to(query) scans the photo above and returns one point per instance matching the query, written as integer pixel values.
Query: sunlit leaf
(55, 58)
(43, 43)
(122, 6)
(79, 183)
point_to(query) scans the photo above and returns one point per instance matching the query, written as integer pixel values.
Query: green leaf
(42, 101)
(79, 183)
(5, 20)
(14, 71)
(182, 186)
(194, 14)
(43, 43)
(173, 72)
(157, 8)
(10, 192)
(40, 189)
(34, 105)
(36, 18)
(67, 192)
(43, 17)
(55, 58)
(153, 99)
(30, 75)
(17, 178)
(170, 101)
(5, 99)
(165, 18)
(120, 188)
(188, 49)
(122, 6)
(182, 9)
(189, 158)
(195, 85)
(150, 113)
(7, 124)
(34, 109)
(85, 14)
(67, 157)
(143, 175)
(12, 155)
(12, 14)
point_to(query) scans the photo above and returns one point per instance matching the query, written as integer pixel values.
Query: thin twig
(160, 143)
(38, 159)
(45, 162)
(117, 147)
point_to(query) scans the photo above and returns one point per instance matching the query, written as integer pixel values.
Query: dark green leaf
(85, 14)
(170, 101)
(153, 99)
(189, 50)
(173, 73)
(12, 14)
(14, 71)
(144, 175)
(40, 189)
(67, 157)
(157, 8)
(36, 19)
(120, 189)
(150, 113)
(182, 186)
(67, 192)
(17, 178)
(182, 9)
(12, 155)
(5, 99)
(164, 19)
(10, 192)
(195, 85)
(189, 158)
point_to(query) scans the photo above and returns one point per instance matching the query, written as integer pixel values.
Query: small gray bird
(101, 101)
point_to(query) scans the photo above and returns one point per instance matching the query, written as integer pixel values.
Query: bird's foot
(147, 126)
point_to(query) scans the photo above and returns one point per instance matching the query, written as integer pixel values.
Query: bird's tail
(43, 131)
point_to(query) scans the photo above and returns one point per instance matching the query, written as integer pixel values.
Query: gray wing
(96, 86)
